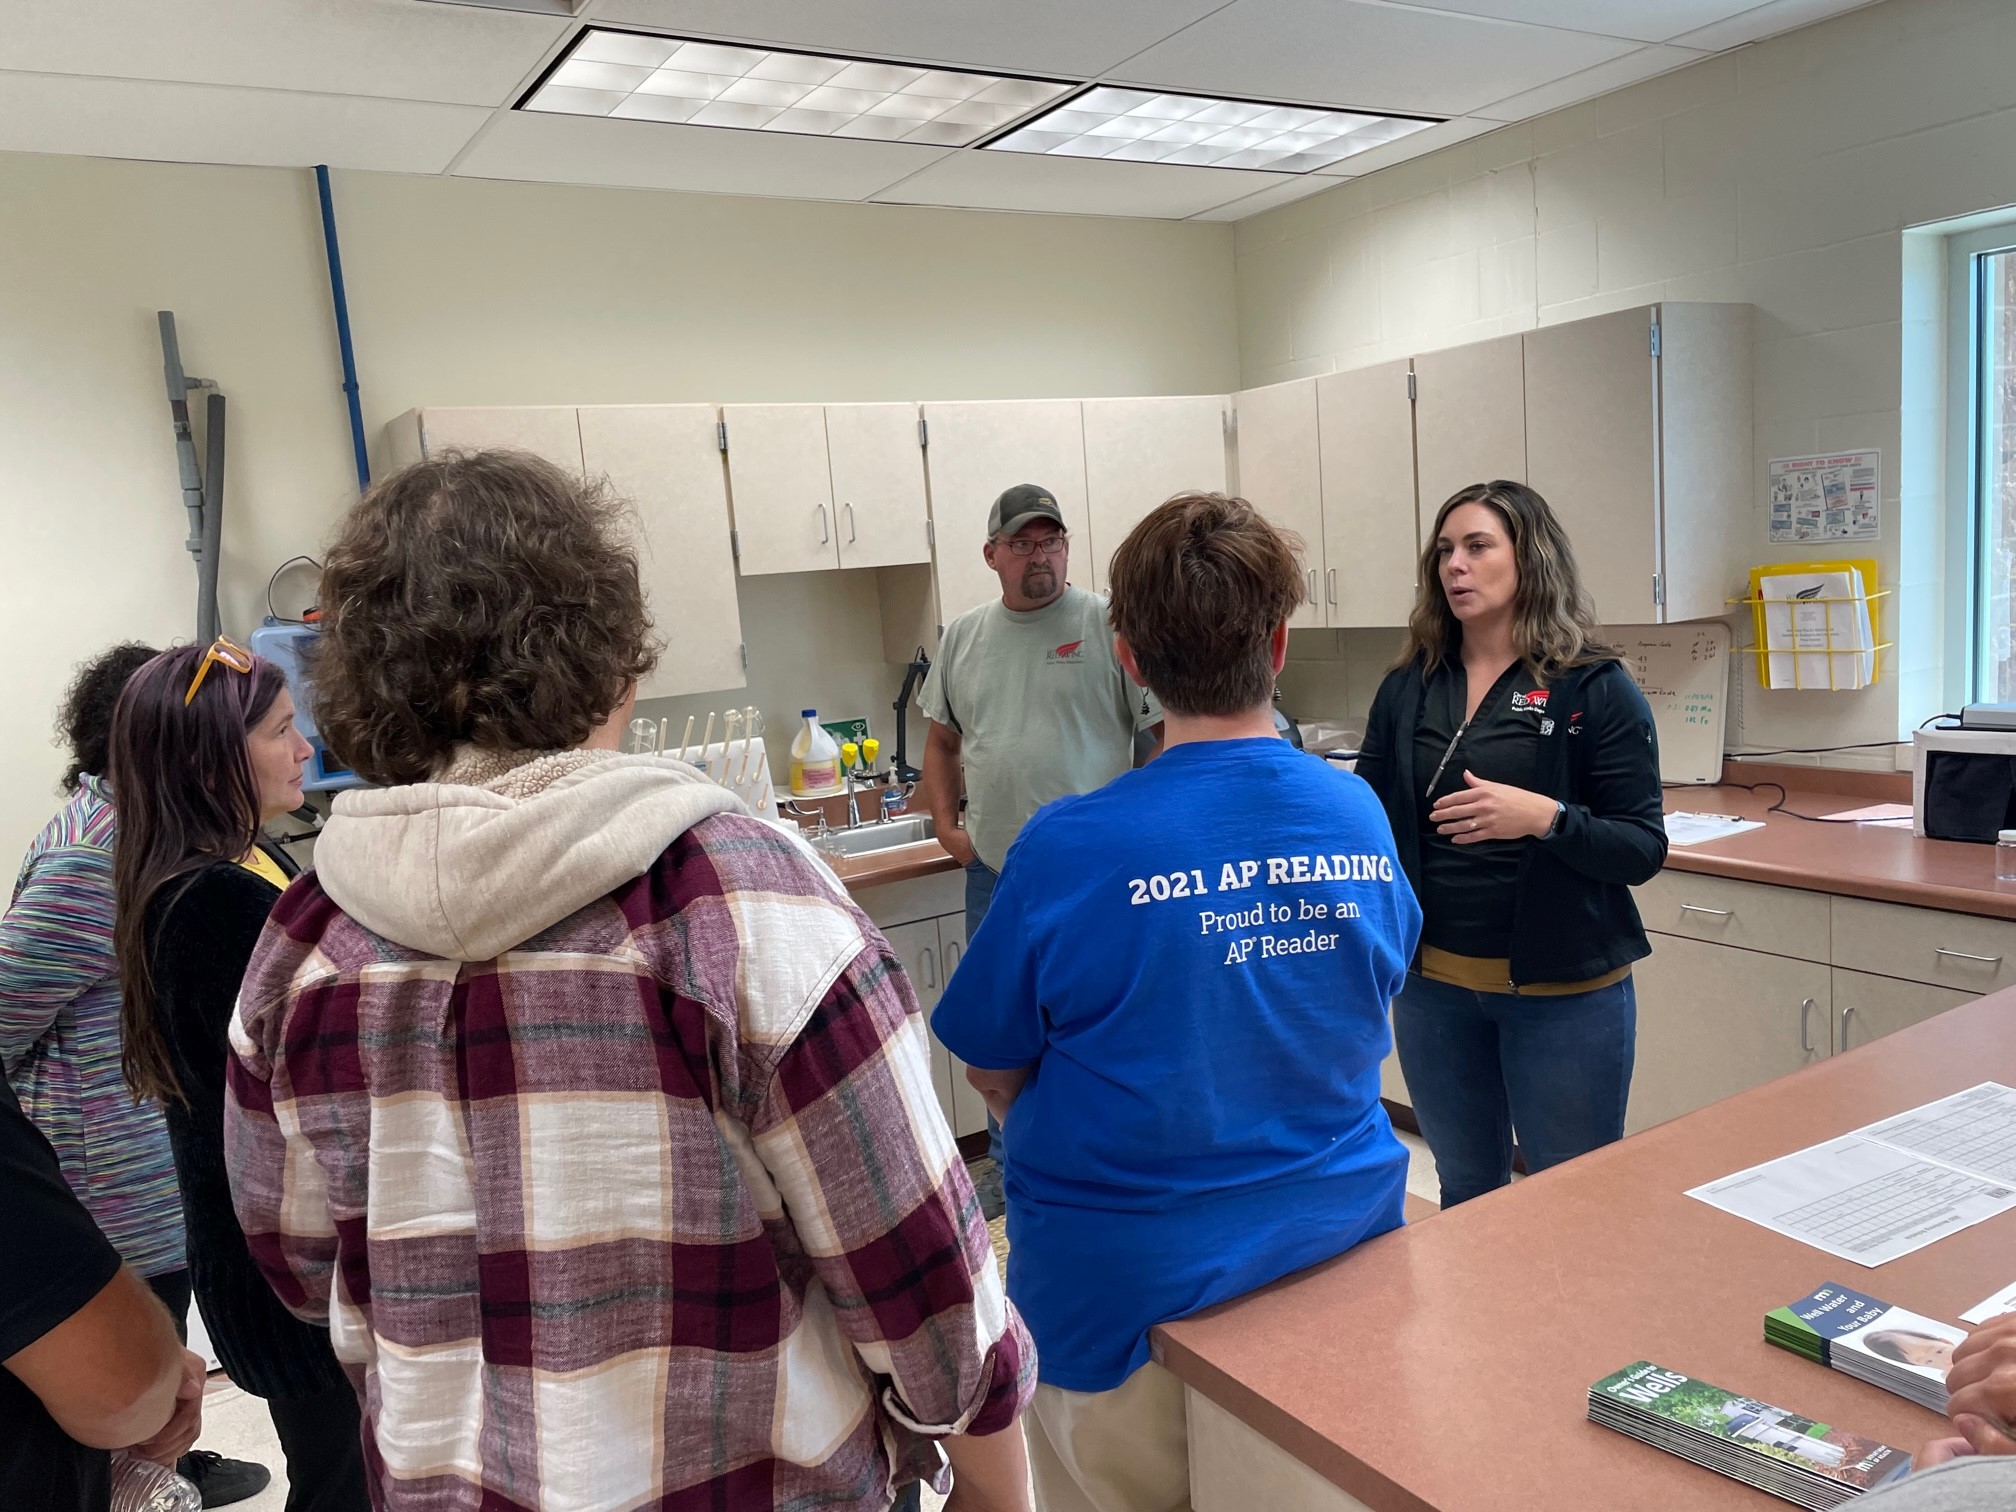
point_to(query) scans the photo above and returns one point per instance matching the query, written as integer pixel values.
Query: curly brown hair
(483, 597)
(1198, 589)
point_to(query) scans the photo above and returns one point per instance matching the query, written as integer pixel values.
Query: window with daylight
(1982, 294)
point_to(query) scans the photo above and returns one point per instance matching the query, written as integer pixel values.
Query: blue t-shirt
(1196, 962)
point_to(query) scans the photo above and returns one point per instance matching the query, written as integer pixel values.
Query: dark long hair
(186, 796)
(1554, 625)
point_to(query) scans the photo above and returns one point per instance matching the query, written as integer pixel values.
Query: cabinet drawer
(1781, 920)
(1962, 951)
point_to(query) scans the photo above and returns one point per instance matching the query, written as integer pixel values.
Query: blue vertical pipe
(350, 391)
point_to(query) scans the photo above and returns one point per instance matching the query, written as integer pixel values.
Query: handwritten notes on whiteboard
(1683, 671)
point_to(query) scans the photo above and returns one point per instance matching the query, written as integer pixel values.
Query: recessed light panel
(629, 76)
(1143, 126)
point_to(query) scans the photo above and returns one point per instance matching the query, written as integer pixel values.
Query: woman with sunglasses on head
(204, 753)
(1516, 761)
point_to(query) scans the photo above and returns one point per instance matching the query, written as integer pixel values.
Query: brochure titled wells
(1772, 1448)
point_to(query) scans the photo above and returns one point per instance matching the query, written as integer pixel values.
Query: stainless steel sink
(870, 838)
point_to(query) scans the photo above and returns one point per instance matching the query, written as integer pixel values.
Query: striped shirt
(60, 1039)
(655, 1210)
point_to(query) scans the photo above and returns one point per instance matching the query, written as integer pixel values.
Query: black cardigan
(1573, 918)
(200, 933)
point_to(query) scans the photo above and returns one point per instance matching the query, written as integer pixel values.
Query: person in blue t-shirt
(1177, 1006)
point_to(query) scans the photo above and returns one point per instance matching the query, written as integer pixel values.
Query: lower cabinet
(1715, 1020)
(1867, 1006)
(930, 950)
(1748, 982)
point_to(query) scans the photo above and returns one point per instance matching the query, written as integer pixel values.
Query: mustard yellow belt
(1494, 974)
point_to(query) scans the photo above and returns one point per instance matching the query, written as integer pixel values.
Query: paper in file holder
(1816, 624)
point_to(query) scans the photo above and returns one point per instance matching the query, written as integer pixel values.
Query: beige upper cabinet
(782, 487)
(1470, 415)
(549, 431)
(1592, 453)
(665, 460)
(1367, 429)
(1138, 452)
(1638, 433)
(1280, 473)
(975, 452)
(876, 456)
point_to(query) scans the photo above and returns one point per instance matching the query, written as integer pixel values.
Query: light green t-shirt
(1042, 708)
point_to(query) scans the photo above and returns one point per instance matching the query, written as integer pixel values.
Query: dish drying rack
(738, 760)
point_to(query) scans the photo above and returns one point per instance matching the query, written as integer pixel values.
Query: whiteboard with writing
(1683, 671)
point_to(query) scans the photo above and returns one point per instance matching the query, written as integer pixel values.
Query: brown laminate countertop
(1445, 1367)
(1855, 860)
(898, 864)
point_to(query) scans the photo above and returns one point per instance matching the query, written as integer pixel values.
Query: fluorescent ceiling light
(1146, 126)
(630, 76)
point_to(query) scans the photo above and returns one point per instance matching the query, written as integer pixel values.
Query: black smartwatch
(1560, 813)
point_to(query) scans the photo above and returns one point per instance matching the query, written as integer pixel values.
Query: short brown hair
(483, 597)
(1198, 590)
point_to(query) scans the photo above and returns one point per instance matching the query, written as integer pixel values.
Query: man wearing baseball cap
(1027, 699)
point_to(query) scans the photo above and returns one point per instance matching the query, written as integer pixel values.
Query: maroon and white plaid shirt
(656, 1210)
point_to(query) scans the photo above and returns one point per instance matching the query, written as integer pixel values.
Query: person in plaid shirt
(584, 1106)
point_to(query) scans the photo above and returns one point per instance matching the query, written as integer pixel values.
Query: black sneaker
(222, 1481)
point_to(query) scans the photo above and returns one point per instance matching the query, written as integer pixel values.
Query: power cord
(277, 616)
(1776, 808)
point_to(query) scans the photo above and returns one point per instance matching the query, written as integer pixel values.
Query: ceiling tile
(1299, 187)
(1074, 186)
(1641, 20)
(206, 123)
(1364, 56)
(390, 48)
(1646, 63)
(652, 155)
(1767, 21)
(1073, 37)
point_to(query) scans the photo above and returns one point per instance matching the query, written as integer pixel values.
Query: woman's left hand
(1491, 811)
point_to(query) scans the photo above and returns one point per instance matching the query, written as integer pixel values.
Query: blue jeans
(1480, 1064)
(980, 881)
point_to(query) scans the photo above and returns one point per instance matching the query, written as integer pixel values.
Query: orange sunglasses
(223, 652)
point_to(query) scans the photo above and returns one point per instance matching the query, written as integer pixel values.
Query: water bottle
(140, 1485)
(2005, 855)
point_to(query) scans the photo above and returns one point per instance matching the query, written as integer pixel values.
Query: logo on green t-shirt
(1070, 651)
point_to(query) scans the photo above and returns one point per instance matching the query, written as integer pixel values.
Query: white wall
(1782, 175)
(479, 293)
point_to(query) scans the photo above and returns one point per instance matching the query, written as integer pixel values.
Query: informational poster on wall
(1832, 498)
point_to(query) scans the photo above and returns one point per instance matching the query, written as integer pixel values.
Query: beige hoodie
(502, 847)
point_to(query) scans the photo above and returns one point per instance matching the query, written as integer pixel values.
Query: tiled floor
(236, 1425)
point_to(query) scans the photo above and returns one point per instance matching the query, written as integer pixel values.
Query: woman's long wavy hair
(1554, 626)
(186, 796)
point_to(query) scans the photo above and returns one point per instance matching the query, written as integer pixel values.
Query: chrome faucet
(792, 807)
(853, 802)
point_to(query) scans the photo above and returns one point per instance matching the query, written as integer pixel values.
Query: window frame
(1966, 564)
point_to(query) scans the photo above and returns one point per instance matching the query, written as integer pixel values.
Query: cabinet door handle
(850, 524)
(1332, 585)
(1961, 955)
(1312, 585)
(1806, 1007)
(1846, 1014)
(824, 534)
(1713, 913)
(930, 959)
(952, 954)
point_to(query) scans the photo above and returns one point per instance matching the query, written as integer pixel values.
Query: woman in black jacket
(1517, 764)
(203, 753)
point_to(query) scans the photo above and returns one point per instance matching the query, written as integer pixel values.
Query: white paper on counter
(1685, 828)
(1890, 1188)
(2002, 1302)
(1877, 815)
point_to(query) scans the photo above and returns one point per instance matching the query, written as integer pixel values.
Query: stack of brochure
(1872, 1341)
(1767, 1447)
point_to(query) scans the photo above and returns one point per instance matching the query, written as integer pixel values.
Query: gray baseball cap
(1018, 506)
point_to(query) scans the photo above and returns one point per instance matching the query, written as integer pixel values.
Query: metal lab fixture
(202, 486)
